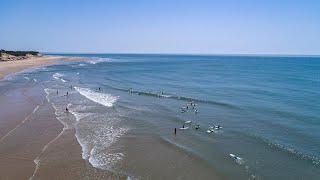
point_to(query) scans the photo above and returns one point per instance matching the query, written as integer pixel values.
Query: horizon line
(193, 54)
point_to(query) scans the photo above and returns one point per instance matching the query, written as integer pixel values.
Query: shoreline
(24, 131)
(32, 137)
(28, 131)
(9, 67)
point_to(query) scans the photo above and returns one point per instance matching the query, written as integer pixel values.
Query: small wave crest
(273, 144)
(63, 80)
(101, 98)
(303, 156)
(57, 75)
(99, 60)
(176, 97)
(103, 160)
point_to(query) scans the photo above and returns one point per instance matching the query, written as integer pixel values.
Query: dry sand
(7, 67)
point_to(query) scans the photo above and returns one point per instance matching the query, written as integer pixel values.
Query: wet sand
(33, 142)
(8, 67)
(27, 123)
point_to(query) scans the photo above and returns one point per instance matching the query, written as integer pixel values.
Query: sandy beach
(30, 131)
(7, 67)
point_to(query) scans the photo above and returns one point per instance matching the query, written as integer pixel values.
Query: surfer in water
(175, 131)
(67, 93)
(57, 92)
(99, 88)
(71, 87)
(67, 110)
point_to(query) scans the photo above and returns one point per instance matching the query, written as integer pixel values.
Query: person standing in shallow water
(175, 131)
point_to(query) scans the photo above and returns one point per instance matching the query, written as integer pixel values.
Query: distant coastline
(14, 61)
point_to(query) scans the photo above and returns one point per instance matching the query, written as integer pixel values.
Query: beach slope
(8, 67)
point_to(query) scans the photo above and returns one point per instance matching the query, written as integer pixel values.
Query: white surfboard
(234, 156)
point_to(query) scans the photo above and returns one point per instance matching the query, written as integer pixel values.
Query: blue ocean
(235, 117)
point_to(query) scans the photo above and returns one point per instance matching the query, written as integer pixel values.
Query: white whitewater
(101, 98)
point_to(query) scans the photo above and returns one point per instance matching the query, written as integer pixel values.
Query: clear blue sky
(163, 26)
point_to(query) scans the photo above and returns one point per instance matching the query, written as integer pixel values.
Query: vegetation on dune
(19, 53)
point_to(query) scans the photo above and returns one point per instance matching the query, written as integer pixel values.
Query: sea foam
(101, 98)
(97, 138)
(57, 75)
(99, 61)
(63, 80)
